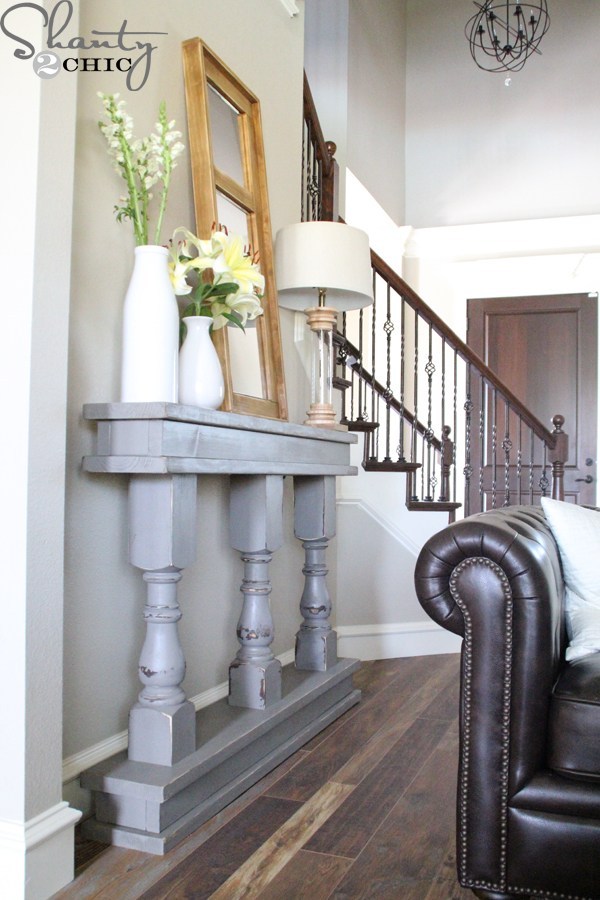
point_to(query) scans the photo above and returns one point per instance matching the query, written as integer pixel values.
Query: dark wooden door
(544, 348)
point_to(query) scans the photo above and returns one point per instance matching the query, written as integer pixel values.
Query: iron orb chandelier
(502, 35)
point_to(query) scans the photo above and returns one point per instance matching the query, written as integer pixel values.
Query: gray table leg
(314, 525)
(256, 511)
(162, 536)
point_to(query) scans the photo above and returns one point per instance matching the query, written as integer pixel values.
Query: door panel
(544, 348)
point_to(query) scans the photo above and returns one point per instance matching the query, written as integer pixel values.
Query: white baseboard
(396, 640)
(37, 856)
(74, 765)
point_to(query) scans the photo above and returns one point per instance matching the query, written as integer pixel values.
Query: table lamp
(322, 268)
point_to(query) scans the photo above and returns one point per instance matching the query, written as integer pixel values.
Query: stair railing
(319, 200)
(433, 389)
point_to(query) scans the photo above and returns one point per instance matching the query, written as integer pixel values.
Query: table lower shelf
(151, 808)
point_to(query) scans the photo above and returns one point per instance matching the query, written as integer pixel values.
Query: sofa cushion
(576, 531)
(574, 727)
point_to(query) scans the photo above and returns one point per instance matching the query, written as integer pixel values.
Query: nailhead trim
(466, 742)
(527, 892)
(467, 692)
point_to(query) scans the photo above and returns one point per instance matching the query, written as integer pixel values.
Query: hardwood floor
(366, 809)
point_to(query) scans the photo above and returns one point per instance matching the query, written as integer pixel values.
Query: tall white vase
(200, 374)
(150, 350)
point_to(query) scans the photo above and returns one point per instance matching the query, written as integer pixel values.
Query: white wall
(478, 151)
(104, 595)
(36, 856)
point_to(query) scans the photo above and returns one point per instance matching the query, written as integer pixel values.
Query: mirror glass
(244, 347)
(225, 132)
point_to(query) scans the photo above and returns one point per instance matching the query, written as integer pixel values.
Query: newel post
(330, 182)
(558, 456)
(447, 459)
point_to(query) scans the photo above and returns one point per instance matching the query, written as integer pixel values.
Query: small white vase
(200, 374)
(150, 349)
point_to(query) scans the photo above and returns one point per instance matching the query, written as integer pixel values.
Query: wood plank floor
(365, 810)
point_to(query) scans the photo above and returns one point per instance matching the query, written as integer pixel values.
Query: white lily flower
(246, 306)
(217, 308)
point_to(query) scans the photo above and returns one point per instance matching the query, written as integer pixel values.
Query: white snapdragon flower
(141, 163)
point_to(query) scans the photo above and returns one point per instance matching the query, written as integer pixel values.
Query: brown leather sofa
(528, 799)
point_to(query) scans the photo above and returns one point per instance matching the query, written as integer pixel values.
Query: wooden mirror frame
(203, 70)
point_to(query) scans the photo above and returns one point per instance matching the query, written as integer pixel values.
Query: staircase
(425, 404)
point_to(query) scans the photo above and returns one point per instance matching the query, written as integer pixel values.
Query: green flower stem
(140, 232)
(168, 168)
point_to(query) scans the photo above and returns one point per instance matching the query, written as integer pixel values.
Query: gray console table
(182, 767)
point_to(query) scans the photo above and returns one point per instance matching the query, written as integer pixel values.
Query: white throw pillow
(576, 531)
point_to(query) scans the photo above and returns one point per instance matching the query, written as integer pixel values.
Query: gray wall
(376, 100)
(103, 595)
(355, 63)
(478, 151)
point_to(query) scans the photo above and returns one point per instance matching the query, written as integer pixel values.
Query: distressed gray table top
(160, 438)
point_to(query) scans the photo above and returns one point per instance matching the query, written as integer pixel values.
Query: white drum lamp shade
(329, 256)
(322, 268)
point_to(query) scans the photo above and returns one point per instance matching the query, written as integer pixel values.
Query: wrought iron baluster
(376, 433)
(482, 447)
(443, 384)
(401, 456)
(374, 416)
(520, 461)
(531, 454)
(352, 383)
(429, 370)
(468, 469)
(388, 328)
(455, 421)
(362, 413)
(431, 464)
(544, 480)
(415, 391)
(305, 132)
(315, 186)
(494, 448)
(507, 447)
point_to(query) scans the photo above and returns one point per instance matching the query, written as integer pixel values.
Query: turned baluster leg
(314, 525)
(162, 532)
(256, 511)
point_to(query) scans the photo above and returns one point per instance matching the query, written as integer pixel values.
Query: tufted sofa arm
(495, 579)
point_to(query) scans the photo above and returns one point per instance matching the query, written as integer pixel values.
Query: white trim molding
(36, 857)
(395, 640)
(384, 522)
(74, 765)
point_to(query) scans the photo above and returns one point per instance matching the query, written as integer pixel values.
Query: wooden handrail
(463, 350)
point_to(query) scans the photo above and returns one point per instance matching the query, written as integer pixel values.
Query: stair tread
(432, 505)
(359, 425)
(390, 466)
(341, 384)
